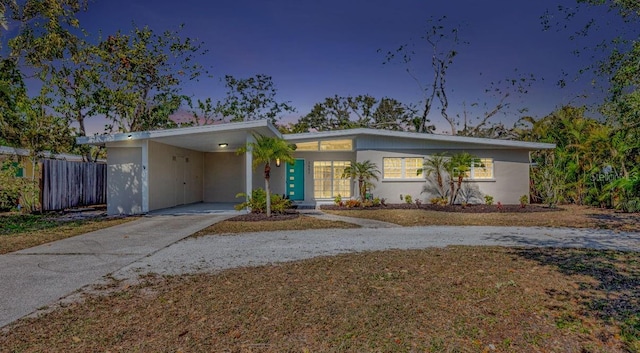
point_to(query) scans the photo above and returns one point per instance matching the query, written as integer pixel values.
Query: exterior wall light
(277, 162)
(223, 145)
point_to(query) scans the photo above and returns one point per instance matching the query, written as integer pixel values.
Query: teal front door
(295, 180)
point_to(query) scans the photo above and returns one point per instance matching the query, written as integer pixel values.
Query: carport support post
(249, 168)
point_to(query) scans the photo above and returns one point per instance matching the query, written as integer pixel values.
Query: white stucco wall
(175, 176)
(511, 175)
(224, 176)
(124, 180)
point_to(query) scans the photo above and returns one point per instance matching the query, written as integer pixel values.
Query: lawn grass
(455, 299)
(20, 231)
(300, 223)
(568, 216)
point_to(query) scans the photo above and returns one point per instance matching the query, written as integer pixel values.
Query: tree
(442, 43)
(264, 150)
(204, 112)
(459, 167)
(45, 28)
(252, 98)
(12, 91)
(4, 6)
(436, 165)
(364, 172)
(142, 74)
(362, 111)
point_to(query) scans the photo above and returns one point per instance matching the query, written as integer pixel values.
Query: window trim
(334, 177)
(403, 170)
(320, 145)
(472, 176)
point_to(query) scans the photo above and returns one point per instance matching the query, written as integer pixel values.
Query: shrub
(376, 201)
(630, 206)
(418, 202)
(279, 204)
(383, 202)
(17, 192)
(351, 203)
(442, 201)
(408, 199)
(338, 200)
(488, 200)
(524, 200)
(257, 202)
(499, 205)
(367, 203)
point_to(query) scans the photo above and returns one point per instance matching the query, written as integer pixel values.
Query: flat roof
(309, 136)
(208, 137)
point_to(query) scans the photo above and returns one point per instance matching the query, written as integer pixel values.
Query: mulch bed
(292, 214)
(454, 208)
(258, 217)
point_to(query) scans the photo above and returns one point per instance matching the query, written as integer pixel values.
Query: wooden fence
(72, 184)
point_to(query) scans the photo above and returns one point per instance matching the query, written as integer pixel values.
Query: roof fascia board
(142, 135)
(419, 136)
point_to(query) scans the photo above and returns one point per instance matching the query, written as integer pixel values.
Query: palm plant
(264, 150)
(436, 165)
(458, 167)
(364, 172)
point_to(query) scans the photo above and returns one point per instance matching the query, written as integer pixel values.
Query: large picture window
(401, 168)
(327, 181)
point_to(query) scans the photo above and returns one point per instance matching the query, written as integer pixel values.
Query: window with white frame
(325, 145)
(401, 167)
(327, 181)
(481, 168)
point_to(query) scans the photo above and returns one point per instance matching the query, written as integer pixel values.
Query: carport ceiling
(207, 141)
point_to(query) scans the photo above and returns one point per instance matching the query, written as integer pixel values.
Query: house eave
(474, 141)
(101, 140)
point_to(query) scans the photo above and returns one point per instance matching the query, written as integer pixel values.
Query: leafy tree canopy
(363, 111)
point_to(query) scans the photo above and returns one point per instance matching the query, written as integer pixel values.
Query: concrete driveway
(42, 275)
(39, 276)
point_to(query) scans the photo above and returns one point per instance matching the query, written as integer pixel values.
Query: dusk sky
(317, 49)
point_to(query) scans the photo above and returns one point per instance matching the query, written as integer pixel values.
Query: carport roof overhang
(198, 138)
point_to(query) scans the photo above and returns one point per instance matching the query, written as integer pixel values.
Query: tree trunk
(267, 176)
(452, 186)
(266, 185)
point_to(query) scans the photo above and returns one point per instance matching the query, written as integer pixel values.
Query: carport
(155, 170)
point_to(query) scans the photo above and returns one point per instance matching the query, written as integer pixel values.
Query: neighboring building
(64, 180)
(165, 168)
(27, 166)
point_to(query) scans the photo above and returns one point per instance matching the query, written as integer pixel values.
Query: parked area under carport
(214, 208)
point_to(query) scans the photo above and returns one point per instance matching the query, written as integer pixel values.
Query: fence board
(72, 184)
